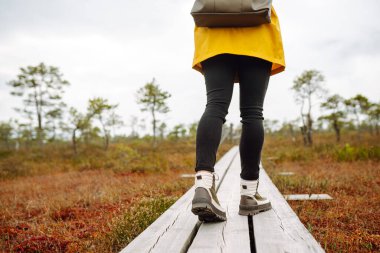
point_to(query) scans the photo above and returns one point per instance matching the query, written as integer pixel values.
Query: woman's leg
(254, 76)
(219, 74)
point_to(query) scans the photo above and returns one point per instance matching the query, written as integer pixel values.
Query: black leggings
(219, 73)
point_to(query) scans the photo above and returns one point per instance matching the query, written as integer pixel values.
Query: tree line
(46, 118)
(44, 114)
(355, 113)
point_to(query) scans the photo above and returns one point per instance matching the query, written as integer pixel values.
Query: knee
(217, 111)
(251, 114)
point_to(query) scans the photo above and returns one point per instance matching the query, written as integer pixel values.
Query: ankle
(248, 187)
(203, 171)
(204, 178)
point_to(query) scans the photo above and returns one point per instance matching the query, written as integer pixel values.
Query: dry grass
(72, 209)
(100, 201)
(351, 221)
(83, 210)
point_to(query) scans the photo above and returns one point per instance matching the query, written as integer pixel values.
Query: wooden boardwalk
(276, 230)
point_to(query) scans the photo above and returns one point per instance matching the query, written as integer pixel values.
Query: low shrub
(125, 228)
(351, 153)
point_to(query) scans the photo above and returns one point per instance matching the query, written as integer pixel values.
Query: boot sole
(252, 210)
(206, 213)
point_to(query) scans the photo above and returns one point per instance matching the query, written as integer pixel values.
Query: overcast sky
(112, 48)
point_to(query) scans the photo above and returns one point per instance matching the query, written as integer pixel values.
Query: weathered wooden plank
(174, 229)
(279, 229)
(233, 234)
(307, 196)
(276, 230)
(286, 173)
(187, 176)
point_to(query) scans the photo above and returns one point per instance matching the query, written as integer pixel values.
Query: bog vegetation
(70, 183)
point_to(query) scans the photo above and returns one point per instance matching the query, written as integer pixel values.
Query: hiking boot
(251, 202)
(205, 203)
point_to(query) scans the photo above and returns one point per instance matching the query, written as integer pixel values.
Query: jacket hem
(278, 65)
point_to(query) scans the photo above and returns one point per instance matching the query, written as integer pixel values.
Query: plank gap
(227, 170)
(192, 236)
(251, 234)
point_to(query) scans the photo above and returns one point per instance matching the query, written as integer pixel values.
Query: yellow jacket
(263, 41)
